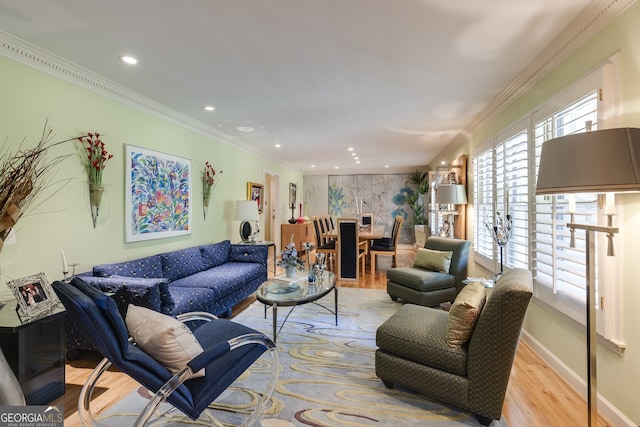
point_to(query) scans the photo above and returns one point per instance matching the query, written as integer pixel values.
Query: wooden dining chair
(351, 251)
(387, 246)
(328, 247)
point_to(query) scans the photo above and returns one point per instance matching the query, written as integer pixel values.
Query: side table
(35, 351)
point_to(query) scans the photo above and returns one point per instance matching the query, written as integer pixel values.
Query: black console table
(35, 351)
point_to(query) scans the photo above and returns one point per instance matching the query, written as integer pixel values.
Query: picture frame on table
(33, 294)
(255, 192)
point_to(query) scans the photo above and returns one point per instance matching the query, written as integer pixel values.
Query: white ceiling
(394, 79)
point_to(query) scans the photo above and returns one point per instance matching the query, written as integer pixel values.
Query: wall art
(158, 195)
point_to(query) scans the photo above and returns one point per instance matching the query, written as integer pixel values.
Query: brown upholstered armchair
(421, 286)
(413, 351)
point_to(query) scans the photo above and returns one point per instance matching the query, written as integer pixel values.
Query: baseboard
(605, 408)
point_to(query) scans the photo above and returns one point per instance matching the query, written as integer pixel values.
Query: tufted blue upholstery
(215, 254)
(211, 278)
(100, 320)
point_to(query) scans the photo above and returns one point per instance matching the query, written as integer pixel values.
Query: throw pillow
(464, 313)
(164, 338)
(433, 260)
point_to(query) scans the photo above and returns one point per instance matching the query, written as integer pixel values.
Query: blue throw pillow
(216, 254)
(182, 263)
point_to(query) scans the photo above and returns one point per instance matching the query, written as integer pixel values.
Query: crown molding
(53, 65)
(587, 24)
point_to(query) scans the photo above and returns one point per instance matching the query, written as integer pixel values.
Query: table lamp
(451, 194)
(247, 211)
(608, 162)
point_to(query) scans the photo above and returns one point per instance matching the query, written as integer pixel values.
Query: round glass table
(280, 291)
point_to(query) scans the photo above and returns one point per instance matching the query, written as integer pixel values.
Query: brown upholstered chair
(413, 351)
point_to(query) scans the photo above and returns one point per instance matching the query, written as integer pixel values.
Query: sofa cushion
(215, 254)
(418, 333)
(182, 263)
(420, 279)
(164, 338)
(223, 279)
(433, 260)
(464, 313)
(144, 267)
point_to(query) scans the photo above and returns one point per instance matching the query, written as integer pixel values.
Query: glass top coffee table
(283, 292)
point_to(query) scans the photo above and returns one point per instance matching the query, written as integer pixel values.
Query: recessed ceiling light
(386, 166)
(358, 162)
(353, 154)
(350, 148)
(356, 158)
(336, 167)
(278, 145)
(442, 162)
(209, 108)
(246, 129)
(129, 60)
(313, 166)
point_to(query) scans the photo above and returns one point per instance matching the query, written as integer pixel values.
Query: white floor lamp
(609, 162)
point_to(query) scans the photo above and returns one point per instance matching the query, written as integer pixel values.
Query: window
(505, 167)
(502, 170)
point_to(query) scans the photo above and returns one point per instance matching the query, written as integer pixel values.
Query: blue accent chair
(229, 349)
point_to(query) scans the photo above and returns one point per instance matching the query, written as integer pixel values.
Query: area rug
(328, 375)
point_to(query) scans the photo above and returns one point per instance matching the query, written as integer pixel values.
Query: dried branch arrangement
(24, 174)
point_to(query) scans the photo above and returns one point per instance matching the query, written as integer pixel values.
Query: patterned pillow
(464, 313)
(164, 338)
(433, 260)
(182, 263)
(216, 254)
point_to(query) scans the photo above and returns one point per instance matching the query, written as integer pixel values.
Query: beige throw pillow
(163, 337)
(464, 313)
(433, 260)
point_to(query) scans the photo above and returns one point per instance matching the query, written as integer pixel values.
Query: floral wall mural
(384, 196)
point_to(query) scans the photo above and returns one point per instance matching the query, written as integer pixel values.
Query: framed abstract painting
(157, 195)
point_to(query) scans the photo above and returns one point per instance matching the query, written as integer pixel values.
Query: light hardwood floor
(536, 395)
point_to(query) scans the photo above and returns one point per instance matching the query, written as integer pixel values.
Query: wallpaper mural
(384, 196)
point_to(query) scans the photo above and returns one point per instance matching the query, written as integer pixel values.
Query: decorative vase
(290, 272)
(205, 204)
(95, 198)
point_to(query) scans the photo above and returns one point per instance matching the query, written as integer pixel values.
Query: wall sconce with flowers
(95, 160)
(208, 183)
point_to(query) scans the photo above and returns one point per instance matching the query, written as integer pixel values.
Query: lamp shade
(453, 194)
(591, 162)
(246, 210)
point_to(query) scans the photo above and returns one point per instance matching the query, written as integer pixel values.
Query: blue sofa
(211, 278)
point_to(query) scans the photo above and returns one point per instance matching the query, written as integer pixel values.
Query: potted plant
(415, 200)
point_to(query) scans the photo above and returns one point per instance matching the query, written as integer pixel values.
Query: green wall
(63, 222)
(618, 376)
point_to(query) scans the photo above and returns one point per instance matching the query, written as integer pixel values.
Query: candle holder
(500, 227)
(311, 275)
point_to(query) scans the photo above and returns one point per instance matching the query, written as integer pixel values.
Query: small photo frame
(255, 192)
(34, 294)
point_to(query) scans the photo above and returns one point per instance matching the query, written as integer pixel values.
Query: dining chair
(329, 247)
(387, 246)
(351, 251)
(228, 349)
